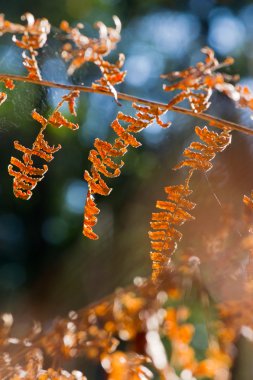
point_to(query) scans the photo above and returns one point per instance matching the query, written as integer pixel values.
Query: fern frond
(94, 50)
(165, 235)
(102, 157)
(111, 75)
(199, 155)
(175, 210)
(87, 49)
(71, 100)
(28, 176)
(90, 219)
(58, 120)
(197, 82)
(34, 37)
(26, 179)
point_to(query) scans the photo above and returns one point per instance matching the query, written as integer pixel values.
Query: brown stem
(212, 120)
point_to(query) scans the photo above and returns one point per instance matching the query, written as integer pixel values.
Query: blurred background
(46, 266)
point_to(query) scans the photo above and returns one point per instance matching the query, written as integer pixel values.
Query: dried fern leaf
(104, 155)
(83, 49)
(95, 183)
(24, 180)
(90, 219)
(39, 118)
(31, 65)
(58, 120)
(34, 37)
(176, 209)
(165, 236)
(27, 176)
(199, 155)
(71, 100)
(198, 82)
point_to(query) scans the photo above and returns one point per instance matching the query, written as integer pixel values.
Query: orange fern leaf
(199, 155)
(39, 118)
(94, 50)
(102, 157)
(111, 75)
(90, 49)
(71, 100)
(175, 210)
(30, 63)
(150, 114)
(165, 236)
(90, 219)
(34, 37)
(26, 179)
(96, 184)
(58, 121)
(197, 83)
(124, 136)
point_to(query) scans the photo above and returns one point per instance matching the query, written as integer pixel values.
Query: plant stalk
(212, 120)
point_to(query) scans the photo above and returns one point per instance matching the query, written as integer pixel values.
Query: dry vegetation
(151, 316)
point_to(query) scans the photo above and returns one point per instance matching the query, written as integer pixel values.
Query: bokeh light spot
(227, 33)
(75, 196)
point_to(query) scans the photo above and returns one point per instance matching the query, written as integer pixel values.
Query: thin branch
(212, 120)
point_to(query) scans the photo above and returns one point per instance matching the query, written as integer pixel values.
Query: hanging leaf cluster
(28, 176)
(104, 155)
